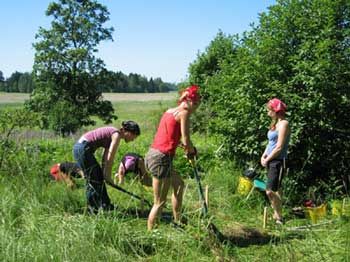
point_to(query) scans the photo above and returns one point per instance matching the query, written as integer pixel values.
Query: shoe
(279, 221)
(91, 210)
(108, 207)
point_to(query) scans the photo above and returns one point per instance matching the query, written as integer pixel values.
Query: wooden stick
(265, 217)
(207, 195)
(307, 227)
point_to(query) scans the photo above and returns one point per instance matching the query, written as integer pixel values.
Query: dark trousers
(96, 192)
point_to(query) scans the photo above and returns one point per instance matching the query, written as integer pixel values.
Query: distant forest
(108, 81)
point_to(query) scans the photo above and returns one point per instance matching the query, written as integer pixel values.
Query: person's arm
(263, 156)
(81, 173)
(145, 179)
(108, 157)
(68, 180)
(120, 174)
(185, 132)
(283, 130)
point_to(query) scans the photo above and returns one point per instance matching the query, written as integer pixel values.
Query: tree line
(107, 81)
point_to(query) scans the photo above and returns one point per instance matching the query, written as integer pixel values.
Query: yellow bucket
(244, 186)
(337, 208)
(316, 213)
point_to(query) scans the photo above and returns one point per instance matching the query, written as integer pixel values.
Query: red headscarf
(277, 105)
(191, 93)
(54, 171)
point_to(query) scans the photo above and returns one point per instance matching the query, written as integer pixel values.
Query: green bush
(298, 52)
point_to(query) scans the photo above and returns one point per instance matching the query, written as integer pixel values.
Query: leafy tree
(209, 62)
(12, 82)
(299, 52)
(65, 67)
(25, 83)
(2, 82)
(151, 86)
(206, 66)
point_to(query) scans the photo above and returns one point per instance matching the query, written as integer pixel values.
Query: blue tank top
(272, 136)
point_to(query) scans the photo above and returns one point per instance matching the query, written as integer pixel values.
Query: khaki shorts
(158, 163)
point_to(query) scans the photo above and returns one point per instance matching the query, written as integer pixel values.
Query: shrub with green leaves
(299, 52)
(12, 120)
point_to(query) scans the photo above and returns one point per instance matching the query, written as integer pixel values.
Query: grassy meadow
(42, 220)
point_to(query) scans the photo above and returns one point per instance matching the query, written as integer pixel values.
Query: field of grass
(9, 98)
(45, 221)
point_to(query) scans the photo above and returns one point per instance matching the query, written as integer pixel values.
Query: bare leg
(176, 199)
(276, 203)
(160, 191)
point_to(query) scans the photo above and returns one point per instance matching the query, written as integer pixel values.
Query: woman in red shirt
(173, 127)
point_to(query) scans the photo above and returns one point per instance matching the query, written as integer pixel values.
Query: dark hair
(131, 126)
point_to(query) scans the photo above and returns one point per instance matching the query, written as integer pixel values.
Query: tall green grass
(41, 220)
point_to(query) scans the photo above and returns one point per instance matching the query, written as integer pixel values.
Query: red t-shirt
(168, 134)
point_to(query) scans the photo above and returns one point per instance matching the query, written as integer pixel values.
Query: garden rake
(130, 194)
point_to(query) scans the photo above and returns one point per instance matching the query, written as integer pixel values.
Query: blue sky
(154, 38)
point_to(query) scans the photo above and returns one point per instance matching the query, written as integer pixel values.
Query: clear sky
(154, 38)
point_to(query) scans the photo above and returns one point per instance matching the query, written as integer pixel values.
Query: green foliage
(117, 82)
(12, 120)
(208, 63)
(299, 52)
(17, 82)
(106, 81)
(65, 68)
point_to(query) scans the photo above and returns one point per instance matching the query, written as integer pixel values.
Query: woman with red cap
(275, 154)
(173, 127)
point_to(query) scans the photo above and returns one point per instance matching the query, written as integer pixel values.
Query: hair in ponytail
(131, 126)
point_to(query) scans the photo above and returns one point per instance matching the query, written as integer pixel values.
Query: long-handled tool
(211, 227)
(130, 194)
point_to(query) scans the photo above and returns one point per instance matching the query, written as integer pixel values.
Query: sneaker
(91, 210)
(279, 221)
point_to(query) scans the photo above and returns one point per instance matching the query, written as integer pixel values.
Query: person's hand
(71, 185)
(264, 161)
(116, 179)
(191, 154)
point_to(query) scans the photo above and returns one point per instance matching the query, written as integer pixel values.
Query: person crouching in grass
(133, 163)
(65, 172)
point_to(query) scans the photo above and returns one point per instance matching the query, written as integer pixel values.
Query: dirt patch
(239, 235)
(243, 236)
